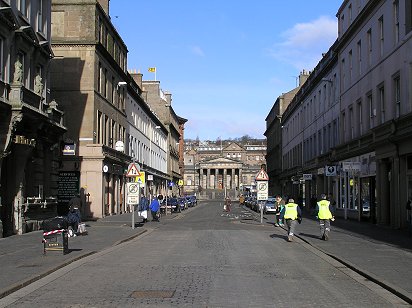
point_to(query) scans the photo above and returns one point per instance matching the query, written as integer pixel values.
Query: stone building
(346, 132)
(214, 166)
(30, 122)
(273, 135)
(88, 74)
(161, 103)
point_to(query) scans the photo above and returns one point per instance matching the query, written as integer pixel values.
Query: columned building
(212, 167)
(31, 125)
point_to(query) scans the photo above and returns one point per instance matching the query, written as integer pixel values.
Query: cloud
(303, 44)
(197, 51)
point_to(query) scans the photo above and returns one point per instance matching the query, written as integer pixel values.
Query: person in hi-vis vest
(292, 216)
(324, 212)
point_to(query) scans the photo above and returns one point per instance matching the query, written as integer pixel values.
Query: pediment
(222, 161)
(233, 147)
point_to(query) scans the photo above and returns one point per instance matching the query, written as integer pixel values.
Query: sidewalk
(22, 260)
(381, 254)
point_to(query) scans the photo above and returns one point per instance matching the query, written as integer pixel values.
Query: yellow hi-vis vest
(291, 211)
(324, 212)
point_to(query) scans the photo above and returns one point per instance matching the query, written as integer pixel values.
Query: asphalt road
(205, 258)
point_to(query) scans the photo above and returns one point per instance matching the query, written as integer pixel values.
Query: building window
(372, 111)
(351, 123)
(396, 20)
(2, 66)
(343, 127)
(360, 117)
(99, 127)
(359, 58)
(381, 91)
(105, 86)
(350, 58)
(99, 79)
(113, 96)
(23, 6)
(381, 36)
(408, 16)
(369, 39)
(397, 95)
(343, 74)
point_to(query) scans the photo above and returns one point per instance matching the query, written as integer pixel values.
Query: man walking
(154, 208)
(292, 214)
(324, 212)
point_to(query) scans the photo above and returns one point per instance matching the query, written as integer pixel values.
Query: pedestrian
(241, 199)
(74, 219)
(143, 207)
(228, 203)
(279, 206)
(154, 208)
(292, 216)
(76, 203)
(324, 212)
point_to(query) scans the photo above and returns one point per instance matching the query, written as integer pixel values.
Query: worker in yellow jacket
(324, 212)
(292, 216)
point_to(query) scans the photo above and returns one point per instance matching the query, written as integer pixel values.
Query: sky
(225, 61)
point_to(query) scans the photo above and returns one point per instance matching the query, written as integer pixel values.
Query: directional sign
(262, 190)
(262, 176)
(133, 170)
(132, 193)
(330, 170)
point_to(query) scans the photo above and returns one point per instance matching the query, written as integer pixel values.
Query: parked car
(173, 204)
(189, 201)
(270, 205)
(183, 203)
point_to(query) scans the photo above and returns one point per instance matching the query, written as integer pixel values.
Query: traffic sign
(132, 192)
(141, 178)
(330, 170)
(133, 170)
(262, 176)
(262, 190)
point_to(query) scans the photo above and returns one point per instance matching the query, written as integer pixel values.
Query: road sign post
(133, 197)
(262, 185)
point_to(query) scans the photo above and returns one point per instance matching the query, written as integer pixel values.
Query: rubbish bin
(56, 240)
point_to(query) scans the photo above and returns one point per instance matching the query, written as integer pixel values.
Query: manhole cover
(152, 294)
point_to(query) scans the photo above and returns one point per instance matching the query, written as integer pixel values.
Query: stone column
(233, 179)
(216, 179)
(224, 182)
(207, 178)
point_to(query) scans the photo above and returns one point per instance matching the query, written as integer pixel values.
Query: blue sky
(225, 61)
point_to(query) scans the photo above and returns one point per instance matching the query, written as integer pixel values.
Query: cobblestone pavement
(207, 258)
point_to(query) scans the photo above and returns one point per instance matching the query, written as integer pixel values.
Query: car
(366, 207)
(173, 204)
(189, 201)
(270, 205)
(183, 203)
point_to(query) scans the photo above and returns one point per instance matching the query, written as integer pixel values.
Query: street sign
(330, 170)
(351, 166)
(262, 176)
(132, 192)
(262, 188)
(307, 177)
(133, 170)
(141, 178)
